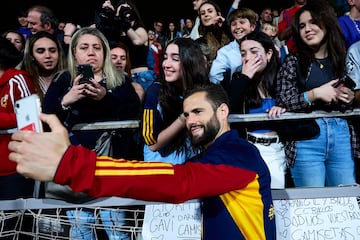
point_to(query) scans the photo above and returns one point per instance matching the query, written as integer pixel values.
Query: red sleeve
(150, 181)
(282, 22)
(17, 84)
(8, 120)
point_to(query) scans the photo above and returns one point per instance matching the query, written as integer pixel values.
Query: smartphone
(27, 112)
(346, 81)
(87, 71)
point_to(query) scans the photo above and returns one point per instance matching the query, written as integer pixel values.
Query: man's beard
(211, 129)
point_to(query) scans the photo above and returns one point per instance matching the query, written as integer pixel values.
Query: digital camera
(107, 14)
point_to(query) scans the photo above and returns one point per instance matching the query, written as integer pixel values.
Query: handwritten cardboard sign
(172, 221)
(318, 219)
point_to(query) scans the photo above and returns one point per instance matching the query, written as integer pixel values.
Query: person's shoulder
(290, 58)
(234, 44)
(62, 77)
(232, 140)
(154, 86)
(344, 19)
(62, 74)
(152, 93)
(17, 73)
(19, 77)
(355, 47)
(230, 47)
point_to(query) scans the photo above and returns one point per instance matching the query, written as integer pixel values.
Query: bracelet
(65, 108)
(312, 94)
(307, 100)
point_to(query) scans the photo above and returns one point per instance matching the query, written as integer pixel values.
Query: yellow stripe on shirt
(133, 172)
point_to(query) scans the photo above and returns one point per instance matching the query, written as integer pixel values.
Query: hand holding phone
(27, 111)
(345, 81)
(87, 73)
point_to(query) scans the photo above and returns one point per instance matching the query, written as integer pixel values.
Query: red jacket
(14, 84)
(284, 22)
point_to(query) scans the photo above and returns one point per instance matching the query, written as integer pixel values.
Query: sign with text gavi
(172, 221)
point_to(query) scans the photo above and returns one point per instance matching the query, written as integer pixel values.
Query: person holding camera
(120, 21)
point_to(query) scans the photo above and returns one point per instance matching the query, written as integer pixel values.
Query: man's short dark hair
(215, 94)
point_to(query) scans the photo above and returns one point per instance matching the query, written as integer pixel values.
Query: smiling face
(208, 14)
(46, 53)
(310, 33)
(201, 120)
(172, 64)
(239, 27)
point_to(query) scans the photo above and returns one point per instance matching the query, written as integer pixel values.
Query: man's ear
(47, 26)
(223, 111)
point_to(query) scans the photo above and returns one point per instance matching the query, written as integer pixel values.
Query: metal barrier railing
(51, 223)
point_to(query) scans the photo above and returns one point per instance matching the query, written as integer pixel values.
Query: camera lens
(107, 13)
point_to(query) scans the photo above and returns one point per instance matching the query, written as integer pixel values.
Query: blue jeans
(326, 160)
(83, 222)
(144, 78)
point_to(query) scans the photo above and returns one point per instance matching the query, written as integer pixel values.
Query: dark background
(81, 12)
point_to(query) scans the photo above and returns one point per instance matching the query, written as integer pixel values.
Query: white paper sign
(172, 221)
(335, 218)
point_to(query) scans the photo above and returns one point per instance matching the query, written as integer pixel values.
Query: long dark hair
(30, 64)
(267, 78)
(323, 15)
(194, 72)
(214, 36)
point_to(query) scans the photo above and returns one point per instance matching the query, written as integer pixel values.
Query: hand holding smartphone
(27, 111)
(346, 81)
(87, 73)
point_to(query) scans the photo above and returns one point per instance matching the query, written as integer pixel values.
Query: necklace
(321, 66)
(356, 26)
